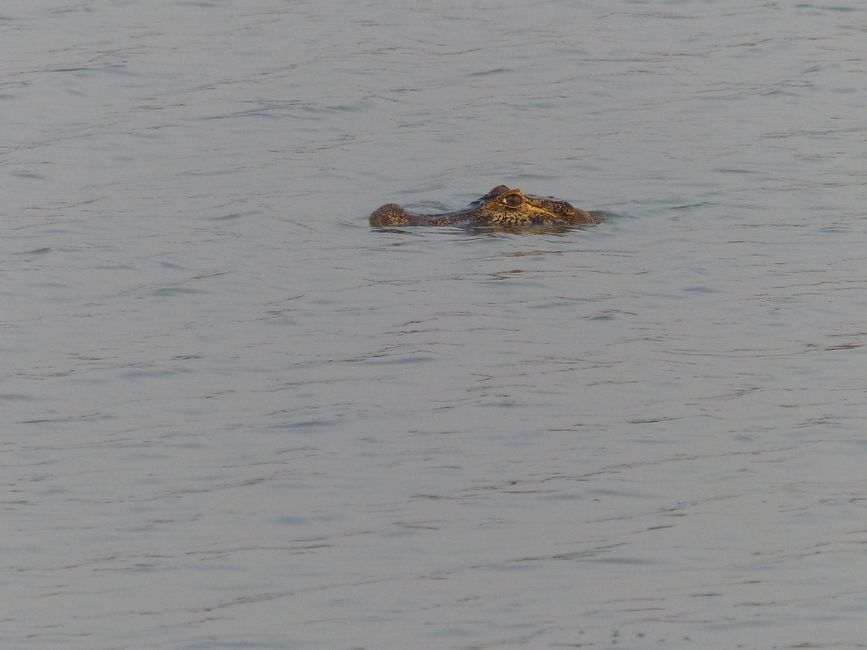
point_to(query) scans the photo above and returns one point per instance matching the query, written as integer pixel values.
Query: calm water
(237, 417)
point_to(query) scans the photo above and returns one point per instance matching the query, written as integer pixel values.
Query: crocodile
(499, 207)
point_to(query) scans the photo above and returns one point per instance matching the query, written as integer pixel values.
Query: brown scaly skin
(499, 207)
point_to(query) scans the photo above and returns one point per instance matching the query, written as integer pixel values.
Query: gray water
(238, 417)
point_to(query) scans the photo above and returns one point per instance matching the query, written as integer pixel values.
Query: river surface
(235, 416)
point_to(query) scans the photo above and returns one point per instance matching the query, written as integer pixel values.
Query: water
(238, 417)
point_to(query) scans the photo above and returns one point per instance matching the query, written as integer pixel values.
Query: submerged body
(499, 207)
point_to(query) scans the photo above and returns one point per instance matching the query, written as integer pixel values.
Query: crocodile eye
(513, 200)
